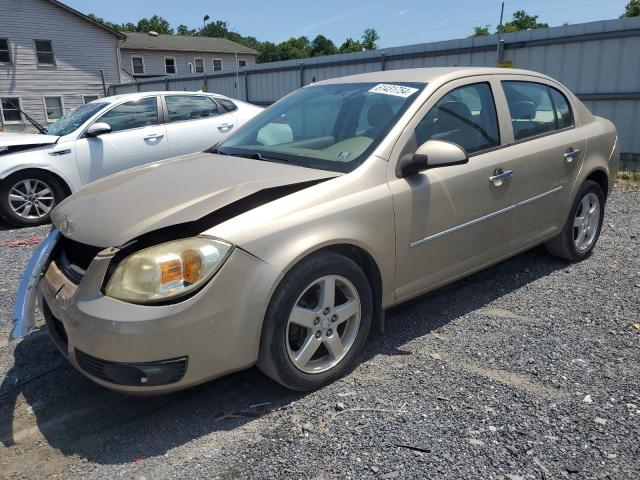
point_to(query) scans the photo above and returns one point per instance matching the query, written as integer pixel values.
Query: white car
(106, 136)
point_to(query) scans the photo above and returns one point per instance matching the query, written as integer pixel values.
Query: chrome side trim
(24, 309)
(460, 227)
(482, 219)
(538, 197)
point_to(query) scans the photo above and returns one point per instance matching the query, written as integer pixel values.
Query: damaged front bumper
(24, 321)
(146, 349)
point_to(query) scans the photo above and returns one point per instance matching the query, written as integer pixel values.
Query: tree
(154, 24)
(321, 45)
(186, 31)
(480, 31)
(369, 39)
(268, 52)
(349, 46)
(294, 48)
(632, 9)
(521, 21)
(217, 29)
(115, 26)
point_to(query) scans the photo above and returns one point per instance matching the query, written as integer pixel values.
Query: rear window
(227, 105)
(536, 109)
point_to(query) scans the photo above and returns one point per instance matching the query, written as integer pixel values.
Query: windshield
(330, 127)
(73, 119)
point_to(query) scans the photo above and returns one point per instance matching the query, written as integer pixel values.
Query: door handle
(154, 136)
(225, 127)
(499, 175)
(571, 154)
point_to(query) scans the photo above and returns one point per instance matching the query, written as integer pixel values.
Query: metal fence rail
(600, 61)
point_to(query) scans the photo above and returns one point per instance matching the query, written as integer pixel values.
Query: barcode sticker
(395, 90)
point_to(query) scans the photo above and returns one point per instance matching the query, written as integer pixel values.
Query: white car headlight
(167, 271)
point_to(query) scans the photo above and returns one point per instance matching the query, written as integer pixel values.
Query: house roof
(88, 19)
(144, 41)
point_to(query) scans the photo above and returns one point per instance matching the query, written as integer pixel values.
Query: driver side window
(465, 116)
(134, 114)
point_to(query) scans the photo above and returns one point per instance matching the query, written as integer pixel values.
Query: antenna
(500, 27)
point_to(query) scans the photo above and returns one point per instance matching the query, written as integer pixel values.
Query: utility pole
(500, 41)
(237, 77)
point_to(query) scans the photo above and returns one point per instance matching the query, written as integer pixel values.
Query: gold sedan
(284, 245)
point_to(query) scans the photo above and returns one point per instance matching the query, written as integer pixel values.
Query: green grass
(632, 178)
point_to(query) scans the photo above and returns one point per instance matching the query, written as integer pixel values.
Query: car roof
(133, 96)
(427, 75)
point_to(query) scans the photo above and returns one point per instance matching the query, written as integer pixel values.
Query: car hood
(112, 211)
(19, 139)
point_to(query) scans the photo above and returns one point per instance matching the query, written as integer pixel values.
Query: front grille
(142, 374)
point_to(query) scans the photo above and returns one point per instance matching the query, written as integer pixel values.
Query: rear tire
(317, 322)
(27, 198)
(582, 229)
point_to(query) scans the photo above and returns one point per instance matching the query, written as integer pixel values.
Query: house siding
(154, 62)
(81, 50)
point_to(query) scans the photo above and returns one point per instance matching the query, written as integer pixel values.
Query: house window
(9, 110)
(199, 63)
(217, 64)
(5, 54)
(137, 65)
(89, 98)
(170, 65)
(44, 52)
(53, 108)
(242, 63)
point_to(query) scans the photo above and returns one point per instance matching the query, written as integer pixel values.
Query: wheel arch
(366, 261)
(601, 177)
(63, 182)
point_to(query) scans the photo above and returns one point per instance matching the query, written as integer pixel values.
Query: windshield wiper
(253, 156)
(39, 127)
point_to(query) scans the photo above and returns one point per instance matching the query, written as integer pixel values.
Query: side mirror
(431, 154)
(97, 129)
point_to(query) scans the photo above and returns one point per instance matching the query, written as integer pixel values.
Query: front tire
(316, 323)
(27, 198)
(582, 229)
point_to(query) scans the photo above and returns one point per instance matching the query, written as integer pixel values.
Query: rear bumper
(141, 349)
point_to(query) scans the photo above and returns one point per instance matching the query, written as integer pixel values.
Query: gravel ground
(528, 370)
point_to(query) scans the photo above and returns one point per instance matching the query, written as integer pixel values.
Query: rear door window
(536, 109)
(561, 106)
(190, 107)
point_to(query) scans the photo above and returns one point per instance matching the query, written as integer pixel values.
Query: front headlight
(167, 271)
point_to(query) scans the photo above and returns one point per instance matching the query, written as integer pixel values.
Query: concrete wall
(600, 61)
(81, 51)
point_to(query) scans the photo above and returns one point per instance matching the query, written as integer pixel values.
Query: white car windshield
(330, 127)
(73, 119)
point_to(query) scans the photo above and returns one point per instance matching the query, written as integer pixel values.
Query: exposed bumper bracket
(24, 310)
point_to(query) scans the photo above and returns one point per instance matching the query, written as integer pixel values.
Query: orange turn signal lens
(192, 265)
(170, 271)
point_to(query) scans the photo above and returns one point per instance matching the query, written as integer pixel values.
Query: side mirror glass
(98, 128)
(431, 154)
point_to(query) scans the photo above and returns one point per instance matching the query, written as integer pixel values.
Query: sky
(401, 22)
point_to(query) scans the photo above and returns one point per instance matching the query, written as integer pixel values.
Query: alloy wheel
(586, 222)
(31, 199)
(323, 324)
